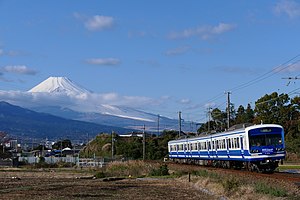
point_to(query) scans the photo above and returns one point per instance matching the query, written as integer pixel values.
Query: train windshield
(265, 137)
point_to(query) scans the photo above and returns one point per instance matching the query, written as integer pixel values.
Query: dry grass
(63, 185)
(130, 168)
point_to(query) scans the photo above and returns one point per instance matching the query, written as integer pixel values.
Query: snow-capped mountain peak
(59, 85)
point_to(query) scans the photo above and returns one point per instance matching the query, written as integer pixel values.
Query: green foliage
(100, 174)
(163, 170)
(130, 147)
(100, 146)
(244, 115)
(230, 184)
(266, 189)
(273, 109)
(62, 144)
(41, 159)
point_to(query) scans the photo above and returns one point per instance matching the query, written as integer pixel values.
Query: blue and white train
(256, 148)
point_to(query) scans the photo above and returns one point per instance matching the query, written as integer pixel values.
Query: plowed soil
(53, 184)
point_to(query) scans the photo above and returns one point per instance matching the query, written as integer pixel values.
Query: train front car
(266, 147)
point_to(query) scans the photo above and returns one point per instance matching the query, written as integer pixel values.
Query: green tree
(273, 109)
(244, 115)
(62, 144)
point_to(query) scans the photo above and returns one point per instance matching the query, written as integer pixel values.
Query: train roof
(229, 132)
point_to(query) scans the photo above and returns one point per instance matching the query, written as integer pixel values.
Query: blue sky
(167, 55)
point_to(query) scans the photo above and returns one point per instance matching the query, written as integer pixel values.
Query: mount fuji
(62, 97)
(59, 85)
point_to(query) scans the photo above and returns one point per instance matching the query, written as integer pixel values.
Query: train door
(242, 145)
(213, 148)
(198, 148)
(216, 147)
(208, 148)
(227, 146)
(189, 149)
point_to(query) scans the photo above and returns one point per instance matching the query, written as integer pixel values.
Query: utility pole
(158, 124)
(144, 142)
(112, 145)
(179, 118)
(209, 114)
(228, 109)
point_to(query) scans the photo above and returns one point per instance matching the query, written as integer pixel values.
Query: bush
(161, 171)
(100, 175)
(265, 189)
(230, 184)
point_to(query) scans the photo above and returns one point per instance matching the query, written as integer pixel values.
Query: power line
(267, 74)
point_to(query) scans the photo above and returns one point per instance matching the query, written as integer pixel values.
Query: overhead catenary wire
(267, 74)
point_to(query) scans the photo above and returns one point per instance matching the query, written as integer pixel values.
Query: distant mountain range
(30, 124)
(62, 97)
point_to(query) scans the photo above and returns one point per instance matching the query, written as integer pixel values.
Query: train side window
(238, 142)
(235, 143)
(205, 145)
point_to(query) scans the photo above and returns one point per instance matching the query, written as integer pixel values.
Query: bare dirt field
(52, 184)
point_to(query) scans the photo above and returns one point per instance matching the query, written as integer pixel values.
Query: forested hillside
(270, 109)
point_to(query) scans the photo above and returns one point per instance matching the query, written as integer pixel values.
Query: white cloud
(96, 22)
(18, 69)
(99, 22)
(292, 67)
(11, 53)
(210, 105)
(287, 7)
(89, 102)
(178, 51)
(185, 101)
(204, 32)
(103, 61)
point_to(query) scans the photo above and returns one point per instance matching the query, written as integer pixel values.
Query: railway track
(289, 178)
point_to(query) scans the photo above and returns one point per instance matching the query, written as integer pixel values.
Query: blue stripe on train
(222, 156)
